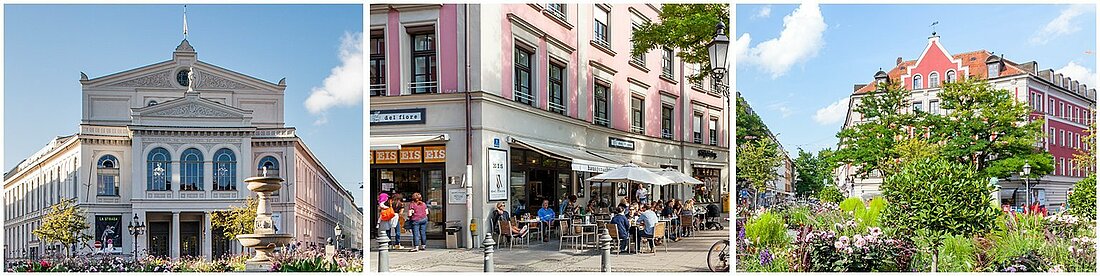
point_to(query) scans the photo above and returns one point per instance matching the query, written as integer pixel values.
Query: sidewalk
(689, 254)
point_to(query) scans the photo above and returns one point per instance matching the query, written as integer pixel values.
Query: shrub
(830, 194)
(797, 216)
(767, 231)
(852, 204)
(864, 252)
(957, 254)
(871, 216)
(935, 198)
(1082, 202)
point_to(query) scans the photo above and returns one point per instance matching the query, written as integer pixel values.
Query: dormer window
(918, 82)
(881, 77)
(994, 65)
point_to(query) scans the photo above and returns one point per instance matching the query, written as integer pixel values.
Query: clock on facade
(181, 77)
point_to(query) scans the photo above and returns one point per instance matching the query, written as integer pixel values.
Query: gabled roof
(161, 75)
(975, 60)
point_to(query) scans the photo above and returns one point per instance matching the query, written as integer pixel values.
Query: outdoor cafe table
(529, 222)
(586, 225)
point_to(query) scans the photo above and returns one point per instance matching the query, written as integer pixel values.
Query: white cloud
(832, 114)
(782, 108)
(344, 85)
(1061, 25)
(1078, 73)
(763, 12)
(801, 38)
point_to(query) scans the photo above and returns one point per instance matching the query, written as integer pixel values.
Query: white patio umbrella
(632, 173)
(678, 177)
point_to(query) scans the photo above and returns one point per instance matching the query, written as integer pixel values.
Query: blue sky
(798, 75)
(47, 46)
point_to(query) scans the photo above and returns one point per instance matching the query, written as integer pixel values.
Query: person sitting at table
(591, 208)
(568, 206)
(622, 224)
(498, 215)
(546, 215)
(649, 220)
(625, 204)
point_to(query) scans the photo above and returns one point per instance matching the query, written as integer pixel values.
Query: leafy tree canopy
(749, 125)
(756, 163)
(869, 145)
(814, 172)
(684, 27)
(64, 223)
(237, 220)
(1082, 202)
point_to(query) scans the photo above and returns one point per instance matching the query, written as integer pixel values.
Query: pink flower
(875, 231)
(841, 243)
(859, 241)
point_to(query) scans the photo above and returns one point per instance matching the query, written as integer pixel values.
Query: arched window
(191, 170)
(159, 170)
(950, 76)
(933, 80)
(271, 164)
(918, 82)
(107, 176)
(225, 170)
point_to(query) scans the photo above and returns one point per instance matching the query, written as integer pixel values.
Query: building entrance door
(190, 242)
(158, 238)
(404, 180)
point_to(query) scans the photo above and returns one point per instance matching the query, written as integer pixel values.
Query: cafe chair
(658, 234)
(506, 231)
(687, 225)
(566, 233)
(614, 233)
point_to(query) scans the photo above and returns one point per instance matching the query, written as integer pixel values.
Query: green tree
(684, 27)
(756, 164)
(933, 198)
(814, 172)
(237, 220)
(830, 194)
(1085, 157)
(64, 223)
(1082, 202)
(870, 144)
(749, 125)
(989, 128)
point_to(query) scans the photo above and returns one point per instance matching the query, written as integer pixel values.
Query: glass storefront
(709, 190)
(413, 169)
(536, 177)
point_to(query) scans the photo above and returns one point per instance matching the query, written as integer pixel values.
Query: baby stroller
(713, 220)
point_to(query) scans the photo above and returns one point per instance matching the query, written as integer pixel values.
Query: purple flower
(765, 257)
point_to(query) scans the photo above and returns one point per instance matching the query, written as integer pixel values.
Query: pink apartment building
(535, 98)
(1065, 106)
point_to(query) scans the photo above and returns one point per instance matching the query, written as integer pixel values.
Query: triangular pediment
(163, 75)
(192, 106)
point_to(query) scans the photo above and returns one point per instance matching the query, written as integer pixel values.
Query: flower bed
(297, 261)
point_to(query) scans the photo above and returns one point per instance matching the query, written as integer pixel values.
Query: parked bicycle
(718, 257)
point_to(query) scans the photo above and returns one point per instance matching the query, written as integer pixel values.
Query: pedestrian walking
(418, 213)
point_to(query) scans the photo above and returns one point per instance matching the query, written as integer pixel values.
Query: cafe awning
(381, 142)
(582, 160)
(709, 165)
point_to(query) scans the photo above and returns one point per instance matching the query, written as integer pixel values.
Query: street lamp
(717, 50)
(136, 229)
(1027, 184)
(338, 231)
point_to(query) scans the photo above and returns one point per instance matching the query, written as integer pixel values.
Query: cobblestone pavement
(689, 254)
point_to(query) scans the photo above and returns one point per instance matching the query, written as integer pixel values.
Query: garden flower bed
(302, 260)
(848, 238)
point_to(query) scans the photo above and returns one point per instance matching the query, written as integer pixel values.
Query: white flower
(875, 231)
(860, 242)
(838, 226)
(841, 243)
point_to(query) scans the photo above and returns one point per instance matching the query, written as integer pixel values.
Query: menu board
(497, 180)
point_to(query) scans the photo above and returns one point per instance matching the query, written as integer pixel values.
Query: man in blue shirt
(622, 224)
(546, 215)
(649, 220)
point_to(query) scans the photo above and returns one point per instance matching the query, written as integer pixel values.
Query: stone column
(208, 236)
(174, 239)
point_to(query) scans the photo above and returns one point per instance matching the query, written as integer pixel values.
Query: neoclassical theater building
(172, 149)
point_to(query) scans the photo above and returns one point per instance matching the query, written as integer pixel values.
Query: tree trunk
(935, 259)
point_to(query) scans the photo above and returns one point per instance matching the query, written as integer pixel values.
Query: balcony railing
(423, 87)
(557, 108)
(698, 138)
(602, 121)
(637, 129)
(378, 89)
(666, 133)
(524, 97)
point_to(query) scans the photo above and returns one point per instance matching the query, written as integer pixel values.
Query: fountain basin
(264, 184)
(264, 241)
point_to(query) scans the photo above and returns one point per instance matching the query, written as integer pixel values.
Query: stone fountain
(263, 238)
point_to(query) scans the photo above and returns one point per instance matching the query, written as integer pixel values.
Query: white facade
(148, 146)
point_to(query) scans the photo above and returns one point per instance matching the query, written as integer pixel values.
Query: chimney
(899, 61)
(1057, 79)
(1030, 66)
(1073, 86)
(1046, 74)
